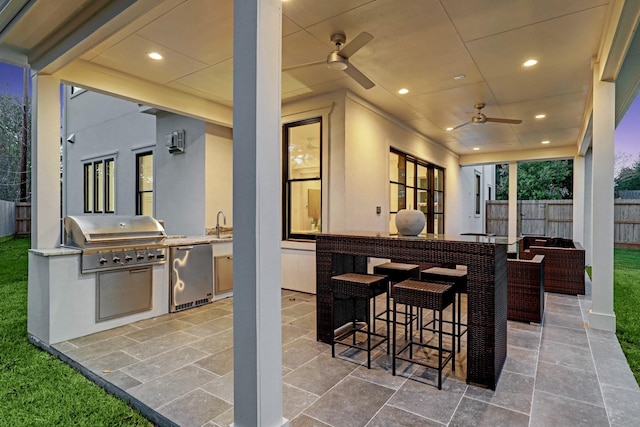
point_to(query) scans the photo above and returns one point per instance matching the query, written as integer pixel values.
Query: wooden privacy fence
(555, 218)
(23, 218)
(7, 218)
(626, 223)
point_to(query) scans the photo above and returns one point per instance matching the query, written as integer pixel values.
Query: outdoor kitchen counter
(62, 299)
(61, 251)
(196, 240)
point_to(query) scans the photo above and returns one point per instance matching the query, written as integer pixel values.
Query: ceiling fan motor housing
(336, 62)
(478, 118)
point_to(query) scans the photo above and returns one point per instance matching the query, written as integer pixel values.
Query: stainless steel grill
(111, 242)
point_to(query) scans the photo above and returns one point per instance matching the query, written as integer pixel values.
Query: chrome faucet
(224, 219)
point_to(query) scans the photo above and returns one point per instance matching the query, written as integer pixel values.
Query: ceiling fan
(339, 58)
(480, 118)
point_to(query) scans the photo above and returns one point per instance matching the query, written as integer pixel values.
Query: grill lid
(88, 231)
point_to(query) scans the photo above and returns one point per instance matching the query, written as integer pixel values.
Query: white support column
(257, 332)
(579, 188)
(513, 203)
(45, 162)
(602, 315)
(588, 206)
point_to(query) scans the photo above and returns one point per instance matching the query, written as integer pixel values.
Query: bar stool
(432, 296)
(397, 272)
(367, 287)
(457, 277)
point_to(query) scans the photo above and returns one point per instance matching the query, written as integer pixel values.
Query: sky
(627, 138)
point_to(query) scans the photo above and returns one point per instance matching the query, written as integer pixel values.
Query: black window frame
(139, 192)
(417, 188)
(478, 192)
(96, 177)
(287, 234)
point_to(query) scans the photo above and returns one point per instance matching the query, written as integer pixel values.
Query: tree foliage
(628, 178)
(549, 180)
(11, 113)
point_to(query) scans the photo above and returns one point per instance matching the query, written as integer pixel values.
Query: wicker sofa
(525, 289)
(563, 266)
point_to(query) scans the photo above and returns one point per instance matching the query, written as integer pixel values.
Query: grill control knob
(127, 258)
(116, 259)
(139, 257)
(102, 261)
(151, 255)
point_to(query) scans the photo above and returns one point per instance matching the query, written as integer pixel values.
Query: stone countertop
(196, 240)
(56, 251)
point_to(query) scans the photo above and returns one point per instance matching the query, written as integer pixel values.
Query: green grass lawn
(37, 389)
(626, 304)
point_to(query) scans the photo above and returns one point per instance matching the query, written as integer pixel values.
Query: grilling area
(119, 269)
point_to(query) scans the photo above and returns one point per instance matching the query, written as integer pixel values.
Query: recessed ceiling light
(476, 148)
(449, 129)
(540, 116)
(155, 55)
(546, 142)
(403, 91)
(530, 62)
(459, 77)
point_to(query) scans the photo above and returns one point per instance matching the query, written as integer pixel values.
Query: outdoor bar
(486, 261)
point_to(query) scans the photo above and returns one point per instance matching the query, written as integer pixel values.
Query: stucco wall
(179, 184)
(104, 126)
(369, 135)
(470, 222)
(218, 174)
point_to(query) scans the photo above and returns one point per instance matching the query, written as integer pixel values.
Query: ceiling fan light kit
(336, 62)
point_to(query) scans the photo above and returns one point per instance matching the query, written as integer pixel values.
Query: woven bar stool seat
(364, 287)
(457, 277)
(397, 272)
(431, 296)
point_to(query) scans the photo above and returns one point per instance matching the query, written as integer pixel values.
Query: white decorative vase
(410, 222)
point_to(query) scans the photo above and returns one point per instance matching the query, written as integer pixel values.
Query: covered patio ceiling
(449, 54)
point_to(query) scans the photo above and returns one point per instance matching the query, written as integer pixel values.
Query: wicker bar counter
(486, 261)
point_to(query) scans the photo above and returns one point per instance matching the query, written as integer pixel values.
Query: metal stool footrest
(424, 295)
(397, 272)
(360, 286)
(456, 277)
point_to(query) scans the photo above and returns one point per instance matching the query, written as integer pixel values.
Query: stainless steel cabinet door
(123, 292)
(191, 276)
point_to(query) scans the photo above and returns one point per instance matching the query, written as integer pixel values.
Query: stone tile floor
(178, 369)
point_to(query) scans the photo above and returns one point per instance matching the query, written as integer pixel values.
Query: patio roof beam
(111, 82)
(557, 153)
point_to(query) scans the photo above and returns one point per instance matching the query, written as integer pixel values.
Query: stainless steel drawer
(123, 292)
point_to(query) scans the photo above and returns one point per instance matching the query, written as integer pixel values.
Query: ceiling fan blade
(459, 126)
(357, 75)
(509, 121)
(356, 44)
(306, 64)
